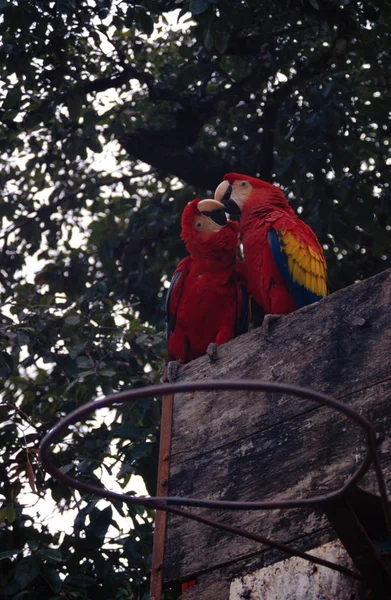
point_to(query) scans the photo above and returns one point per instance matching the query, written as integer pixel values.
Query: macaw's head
(237, 190)
(206, 231)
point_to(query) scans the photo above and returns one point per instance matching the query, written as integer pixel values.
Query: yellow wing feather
(306, 265)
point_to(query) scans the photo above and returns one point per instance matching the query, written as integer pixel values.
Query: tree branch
(104, 83)
(200, 168)
(170, 149)
(275, 99)
(48, 209)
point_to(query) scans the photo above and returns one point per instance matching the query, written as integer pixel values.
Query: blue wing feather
(300, 293)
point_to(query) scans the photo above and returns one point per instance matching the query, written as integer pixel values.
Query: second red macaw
(285, 265)
(206, 305)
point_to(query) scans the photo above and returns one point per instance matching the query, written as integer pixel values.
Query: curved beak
(213, 209)
(209, 204)
(223, 194)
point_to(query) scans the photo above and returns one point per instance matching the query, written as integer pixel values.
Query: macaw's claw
(172, 370)
(212, 351)
(267, 321)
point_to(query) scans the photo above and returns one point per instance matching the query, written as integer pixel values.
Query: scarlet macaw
(285, 265)
(206, 305)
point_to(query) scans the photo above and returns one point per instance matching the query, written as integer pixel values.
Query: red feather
(204, 302)
(266, 210)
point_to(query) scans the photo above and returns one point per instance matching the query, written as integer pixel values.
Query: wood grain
(324, 346)
(215, 584)
(251, 446)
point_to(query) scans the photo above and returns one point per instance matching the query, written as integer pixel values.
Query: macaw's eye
(244, 183)
(198, 224)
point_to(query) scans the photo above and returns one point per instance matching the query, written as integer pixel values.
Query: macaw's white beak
(209, 205)
(214, 210)
(223, 194)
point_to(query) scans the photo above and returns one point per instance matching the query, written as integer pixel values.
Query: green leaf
(186, 76)
(26, 571)
(76, 350)
(90, 118)
(12, 99)
(100, 520)
(131, 549)
(146, 22)
(75, 103)
(80, 581)
(66, 468)
(94, 144)
(51, 553)
(72, 320)
(52, 578)
(208, 40)
(9, 514)
(107, 372)
(221, 42)
(197, 7)
(129, 17)
(83, 362)
(3, 514)
(9, 553)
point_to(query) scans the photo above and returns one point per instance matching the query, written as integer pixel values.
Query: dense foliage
(112, 118)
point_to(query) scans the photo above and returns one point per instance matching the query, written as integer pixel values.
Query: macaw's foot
(172, 370)
(267, 321)
(212, 351)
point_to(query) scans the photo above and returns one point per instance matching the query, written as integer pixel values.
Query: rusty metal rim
(168, 503)
(247, 385)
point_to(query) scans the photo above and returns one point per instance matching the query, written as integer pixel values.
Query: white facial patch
(205, 224)
(241, 190)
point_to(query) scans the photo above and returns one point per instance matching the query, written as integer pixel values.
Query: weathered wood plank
(302, 457)
(249, 447)
(215, 584)
(325, 346)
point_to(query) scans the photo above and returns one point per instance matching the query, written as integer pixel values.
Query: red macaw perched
(286, 268)
(206, 304)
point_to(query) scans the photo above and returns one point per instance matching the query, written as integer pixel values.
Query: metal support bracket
(162, 490)
(358, 521)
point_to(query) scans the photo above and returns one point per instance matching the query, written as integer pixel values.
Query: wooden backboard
(246, 446)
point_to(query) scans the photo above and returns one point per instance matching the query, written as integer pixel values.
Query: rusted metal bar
(247, 385)
(162, 489)
(169, 504)
(380, 481)
(266, 541)
(359, 546)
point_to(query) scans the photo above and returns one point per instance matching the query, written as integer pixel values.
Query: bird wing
(299, 258)
(175, 292)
